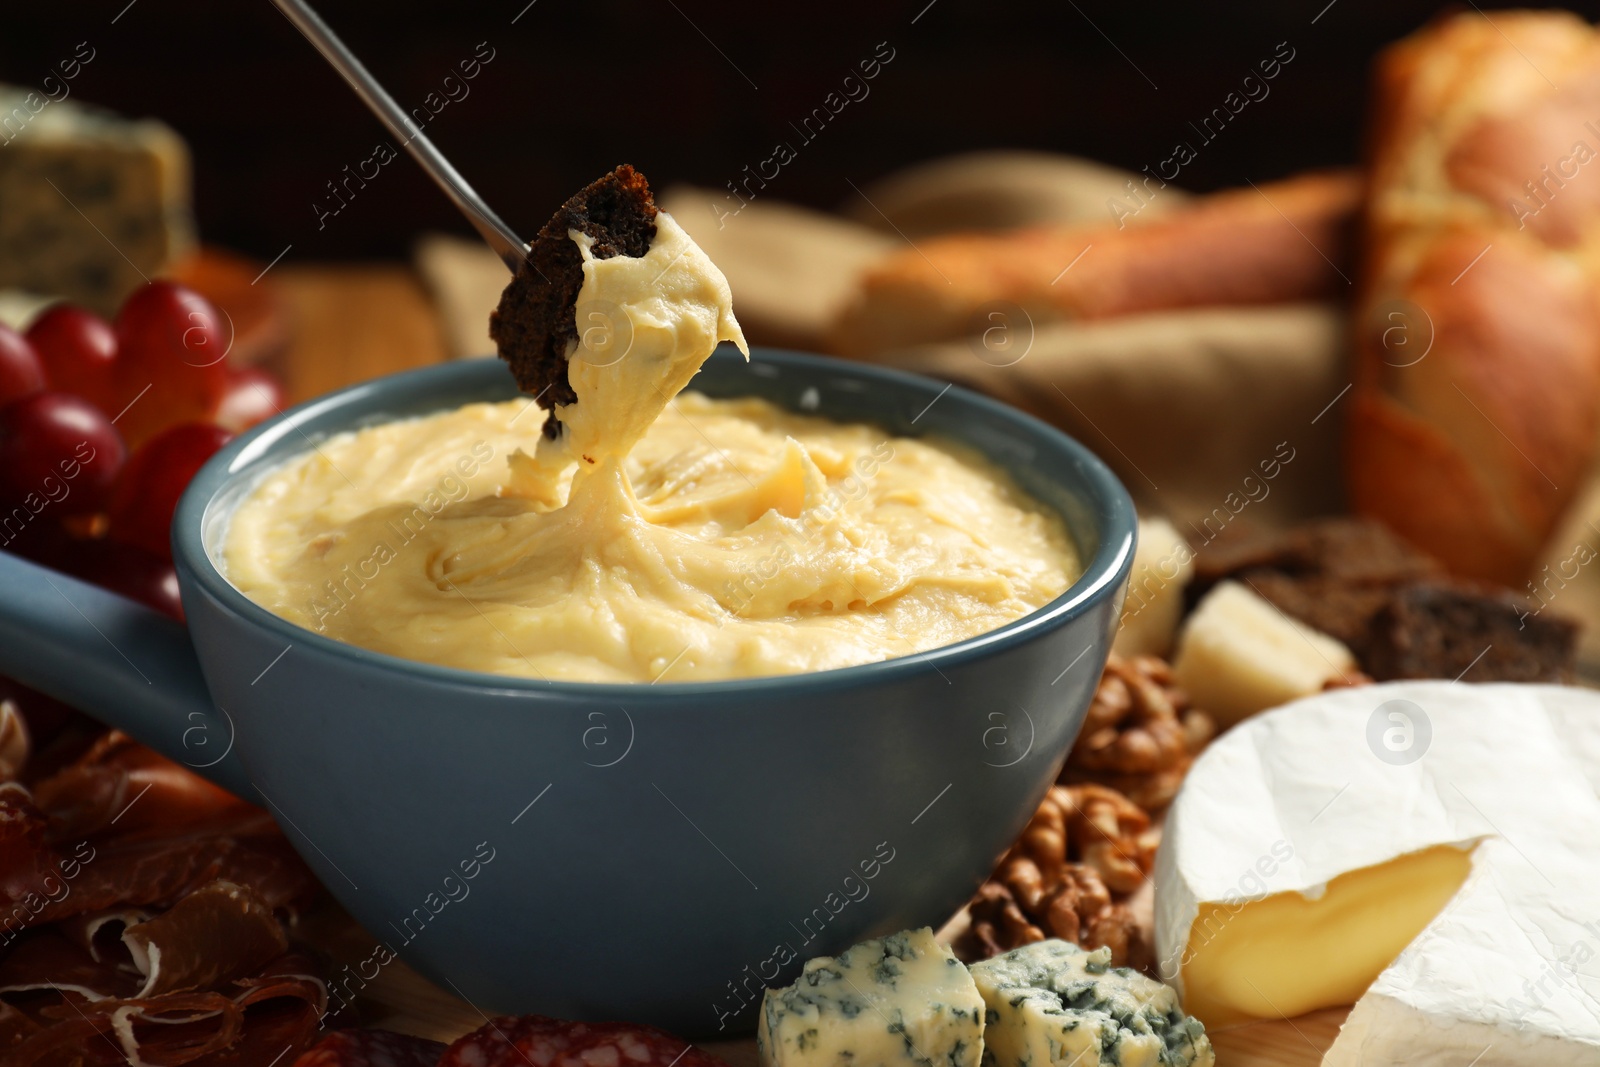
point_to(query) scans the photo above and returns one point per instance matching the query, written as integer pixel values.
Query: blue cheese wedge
(897, 1000)
(1051, 1004)
(90, 203)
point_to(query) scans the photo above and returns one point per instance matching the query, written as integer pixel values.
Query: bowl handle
(126, 665)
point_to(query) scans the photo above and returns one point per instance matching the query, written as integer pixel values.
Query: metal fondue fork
(511, 249)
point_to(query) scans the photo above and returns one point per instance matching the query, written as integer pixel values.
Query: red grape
(147, 492)
(253, 396)
(78, 351)
(57, 451)
(172, 346)
(20, 371)
(130, 571)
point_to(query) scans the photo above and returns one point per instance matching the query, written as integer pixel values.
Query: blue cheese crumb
(894, 1001)
(1051, 1004)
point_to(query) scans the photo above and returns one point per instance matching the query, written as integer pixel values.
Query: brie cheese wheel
(1430, 848)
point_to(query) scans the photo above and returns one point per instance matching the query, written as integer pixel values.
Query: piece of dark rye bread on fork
(535, 326)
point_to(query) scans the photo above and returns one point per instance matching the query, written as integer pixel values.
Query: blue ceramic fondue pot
(654, 853)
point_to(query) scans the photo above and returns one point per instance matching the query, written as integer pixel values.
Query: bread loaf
(1284, 241)
(1477, 370)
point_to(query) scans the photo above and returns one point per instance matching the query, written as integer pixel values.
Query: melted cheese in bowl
(735, 539)
(659, 537)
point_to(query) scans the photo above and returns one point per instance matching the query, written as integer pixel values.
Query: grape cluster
(102, 425)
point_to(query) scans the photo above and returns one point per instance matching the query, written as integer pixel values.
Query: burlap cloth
(1186, 407)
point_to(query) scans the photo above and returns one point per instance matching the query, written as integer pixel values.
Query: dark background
(693, 90)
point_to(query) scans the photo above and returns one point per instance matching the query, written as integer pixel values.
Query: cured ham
(124, 826)
(142, 911)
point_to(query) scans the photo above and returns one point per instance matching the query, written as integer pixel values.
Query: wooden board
(1296, 1042)
(401, 999)
(353, 323)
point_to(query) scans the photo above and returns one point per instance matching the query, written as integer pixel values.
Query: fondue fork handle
(118, 661)
(511, 249)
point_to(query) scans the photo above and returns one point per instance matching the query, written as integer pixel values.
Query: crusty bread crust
(1473, 450)
(1284, 241)
(535, 328)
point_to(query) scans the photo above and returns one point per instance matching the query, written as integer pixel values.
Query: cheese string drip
(645, 326)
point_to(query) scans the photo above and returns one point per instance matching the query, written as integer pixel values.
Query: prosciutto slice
(142, 915)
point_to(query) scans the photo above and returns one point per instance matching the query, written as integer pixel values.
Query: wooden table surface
(350, 323)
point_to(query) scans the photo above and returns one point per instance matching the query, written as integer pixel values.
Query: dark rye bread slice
(1332, 574)
(1351, 550)
(1339, 609)
(535, 326)
(1393, 606)
(1474, 633)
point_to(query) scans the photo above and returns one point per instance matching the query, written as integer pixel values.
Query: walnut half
(1140, 735)
(1085, 848)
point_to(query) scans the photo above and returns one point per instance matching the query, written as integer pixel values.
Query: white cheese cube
(1239, 655)
(1162, 566)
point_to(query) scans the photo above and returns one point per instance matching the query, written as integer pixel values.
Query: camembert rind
(1051, 1004)
(893, 1001)
(1506, 976)
(1508, 972)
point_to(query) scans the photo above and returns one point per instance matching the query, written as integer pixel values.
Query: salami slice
(543, 1042)
(371, 1048)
